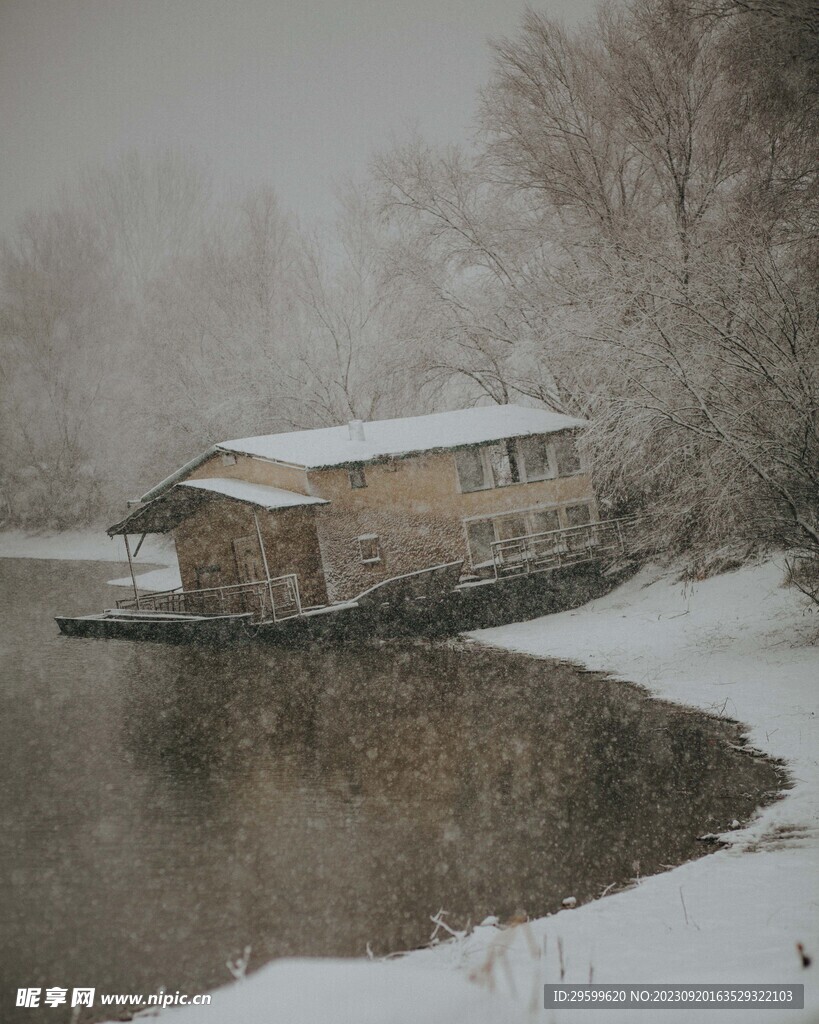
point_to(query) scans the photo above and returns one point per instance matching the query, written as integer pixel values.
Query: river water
(164, 807)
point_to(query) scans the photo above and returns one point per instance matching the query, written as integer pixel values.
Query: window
(579, 540)
(568, 459)
(535, 452)
(493, 465)
(481, 534)
(357, 477)
(471, 471)
(511, 526)
(228, 459)
(544, 520)
(503, 461)
(578, 515)
(369, 547)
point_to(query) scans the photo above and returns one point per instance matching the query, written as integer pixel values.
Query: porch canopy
(173, 506)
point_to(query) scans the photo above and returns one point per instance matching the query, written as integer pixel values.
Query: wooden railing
(554, 549)
(274, 599)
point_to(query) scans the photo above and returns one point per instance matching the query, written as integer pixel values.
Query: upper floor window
(357, 477)
(517, 461)
(472, 470)
(504, 463)
(536, 460)
(492, 465)
(567, 456)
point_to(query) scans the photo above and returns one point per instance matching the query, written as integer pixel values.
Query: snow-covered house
(343, 508)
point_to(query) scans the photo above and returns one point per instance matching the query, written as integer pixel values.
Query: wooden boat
(528, 576)
(392, 598)
(431, 602)
(125, 624)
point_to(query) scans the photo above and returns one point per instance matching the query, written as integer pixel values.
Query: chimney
(356, 428)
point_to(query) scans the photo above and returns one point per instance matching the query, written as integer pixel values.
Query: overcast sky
(295, 94)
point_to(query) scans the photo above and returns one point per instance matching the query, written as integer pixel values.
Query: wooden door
(249, 569)
(249, 565)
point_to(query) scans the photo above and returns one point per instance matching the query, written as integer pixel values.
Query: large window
(578, 515)
(510, 526)
(544, 520)
(472, 474)
(579, 540)
(568, 459)
(481, 534)
(503, 462)
(492, 465)
(536, 462)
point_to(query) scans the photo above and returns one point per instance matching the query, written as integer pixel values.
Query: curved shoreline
(735, 645)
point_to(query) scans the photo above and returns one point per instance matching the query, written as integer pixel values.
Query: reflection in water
(170, 805)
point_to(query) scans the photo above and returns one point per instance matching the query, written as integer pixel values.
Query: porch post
(264, 563)
(131, 568)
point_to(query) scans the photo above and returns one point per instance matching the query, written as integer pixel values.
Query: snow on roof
(333, 446)
(255, 494)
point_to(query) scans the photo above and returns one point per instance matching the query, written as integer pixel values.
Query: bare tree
(352, 360)
(57, 310)
(479, 267)
(223, 325)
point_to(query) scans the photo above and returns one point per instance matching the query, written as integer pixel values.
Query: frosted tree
(359, 325)
(638, 231)
(56, 314)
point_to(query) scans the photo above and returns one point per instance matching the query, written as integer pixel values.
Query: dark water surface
(163, 807)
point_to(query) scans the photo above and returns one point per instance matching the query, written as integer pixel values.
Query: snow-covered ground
(166, 578)
(83, 546)
(97, 546)
(737, 645)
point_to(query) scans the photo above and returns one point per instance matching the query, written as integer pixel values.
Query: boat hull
(431, 615)
(464, 608)
(165, 629)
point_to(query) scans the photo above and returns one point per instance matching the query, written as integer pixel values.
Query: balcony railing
(273, 599)
(554, 549)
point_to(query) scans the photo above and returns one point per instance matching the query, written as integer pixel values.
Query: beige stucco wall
(256, 471)
(417, 510)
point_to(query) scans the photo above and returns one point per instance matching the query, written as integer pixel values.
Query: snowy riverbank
(736, 645)
(97, 546)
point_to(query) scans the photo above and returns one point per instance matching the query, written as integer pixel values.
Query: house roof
(255, 494)
(333, 446)
(182, 499)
